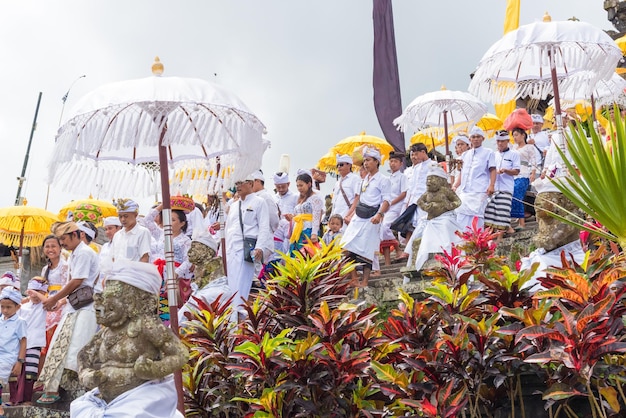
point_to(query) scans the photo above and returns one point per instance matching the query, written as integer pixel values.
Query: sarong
(519, 193)
(498, 211)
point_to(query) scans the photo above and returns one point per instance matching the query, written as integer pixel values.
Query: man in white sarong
(397, 194)
(416, 186)
(345, 189)
(477, 184)
(361, 239)
(78, 324)
(247, 218)
(285, 198)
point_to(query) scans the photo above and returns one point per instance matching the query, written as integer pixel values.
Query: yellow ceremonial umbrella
(581, 108)
(328, 163)
(92, 210)
(25, 226)
(350, 144)
(490, 123)
(431, 137)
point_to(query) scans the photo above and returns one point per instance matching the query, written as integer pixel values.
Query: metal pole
(63, 99)
(170, 280)
(21, 179)
(445, 133)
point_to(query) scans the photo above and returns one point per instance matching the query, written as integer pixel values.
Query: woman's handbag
(80, 297)
(364, 211)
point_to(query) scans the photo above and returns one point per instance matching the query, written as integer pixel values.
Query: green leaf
(560, 391)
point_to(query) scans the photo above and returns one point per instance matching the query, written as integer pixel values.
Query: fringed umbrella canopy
(109, 147)
(31, 223)
(519, 64)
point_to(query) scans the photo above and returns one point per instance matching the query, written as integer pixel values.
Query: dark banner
(386, 80)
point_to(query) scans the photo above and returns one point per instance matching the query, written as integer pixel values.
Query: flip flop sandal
(48, 399)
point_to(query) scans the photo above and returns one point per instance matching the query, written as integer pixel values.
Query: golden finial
(443, 87)
(157, 67)
(547, 17)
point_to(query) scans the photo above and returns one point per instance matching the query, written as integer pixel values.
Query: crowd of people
(43, 331)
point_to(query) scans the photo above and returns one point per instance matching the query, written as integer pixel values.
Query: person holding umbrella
(476, 181)
(361, 239)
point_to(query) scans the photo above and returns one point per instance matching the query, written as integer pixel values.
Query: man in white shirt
(398, 193)
(248, 217)
(416, 186)
(258, 187)
(112, 224)
(132, 242)
(539, 138)
(362, 237)
(285, 198)
(477, 181)
(508, 165)
(78, 324)
(345, 189)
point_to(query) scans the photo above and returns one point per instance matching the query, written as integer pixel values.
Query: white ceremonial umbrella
(440, 109)
(543, 58)
(120, 134)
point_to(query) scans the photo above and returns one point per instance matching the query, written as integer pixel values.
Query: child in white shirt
(335, 223)
(12, 337)
(34, 314)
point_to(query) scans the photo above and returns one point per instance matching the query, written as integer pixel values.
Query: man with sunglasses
(345, 189)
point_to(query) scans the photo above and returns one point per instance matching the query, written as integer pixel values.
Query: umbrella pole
(170, 280)
(445, 133)
(220, 219)
(19, 257)
(555, 87)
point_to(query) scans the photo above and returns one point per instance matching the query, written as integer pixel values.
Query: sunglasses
(341, 165)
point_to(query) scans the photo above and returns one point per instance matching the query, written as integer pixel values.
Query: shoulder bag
(248, 243)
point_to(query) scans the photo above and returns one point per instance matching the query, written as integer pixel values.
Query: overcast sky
(304, 67)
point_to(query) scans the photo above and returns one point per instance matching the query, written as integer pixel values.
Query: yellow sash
(299, 221)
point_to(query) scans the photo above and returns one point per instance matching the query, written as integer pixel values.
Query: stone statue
(552, 233)
(208, 266)
(133, 353)
(439, 202)
(208, 273)
(438, 198)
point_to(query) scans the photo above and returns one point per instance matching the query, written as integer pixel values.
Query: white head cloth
(536, 118)
(112, 221)
(372, 152)
(85, 228)
(476, 131)
(143, 276)
(258, 175)
(37, 284)
(463, 139)
(281, 178)
(502, 136)
(435, 169)
(9, 279)
(302, 171)
(11, 293)
(344, 158)
(205, 238)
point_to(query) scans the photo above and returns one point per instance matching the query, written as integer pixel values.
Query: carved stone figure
(208, 266)
(439, 197)
(552, 233)
(133, 346)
